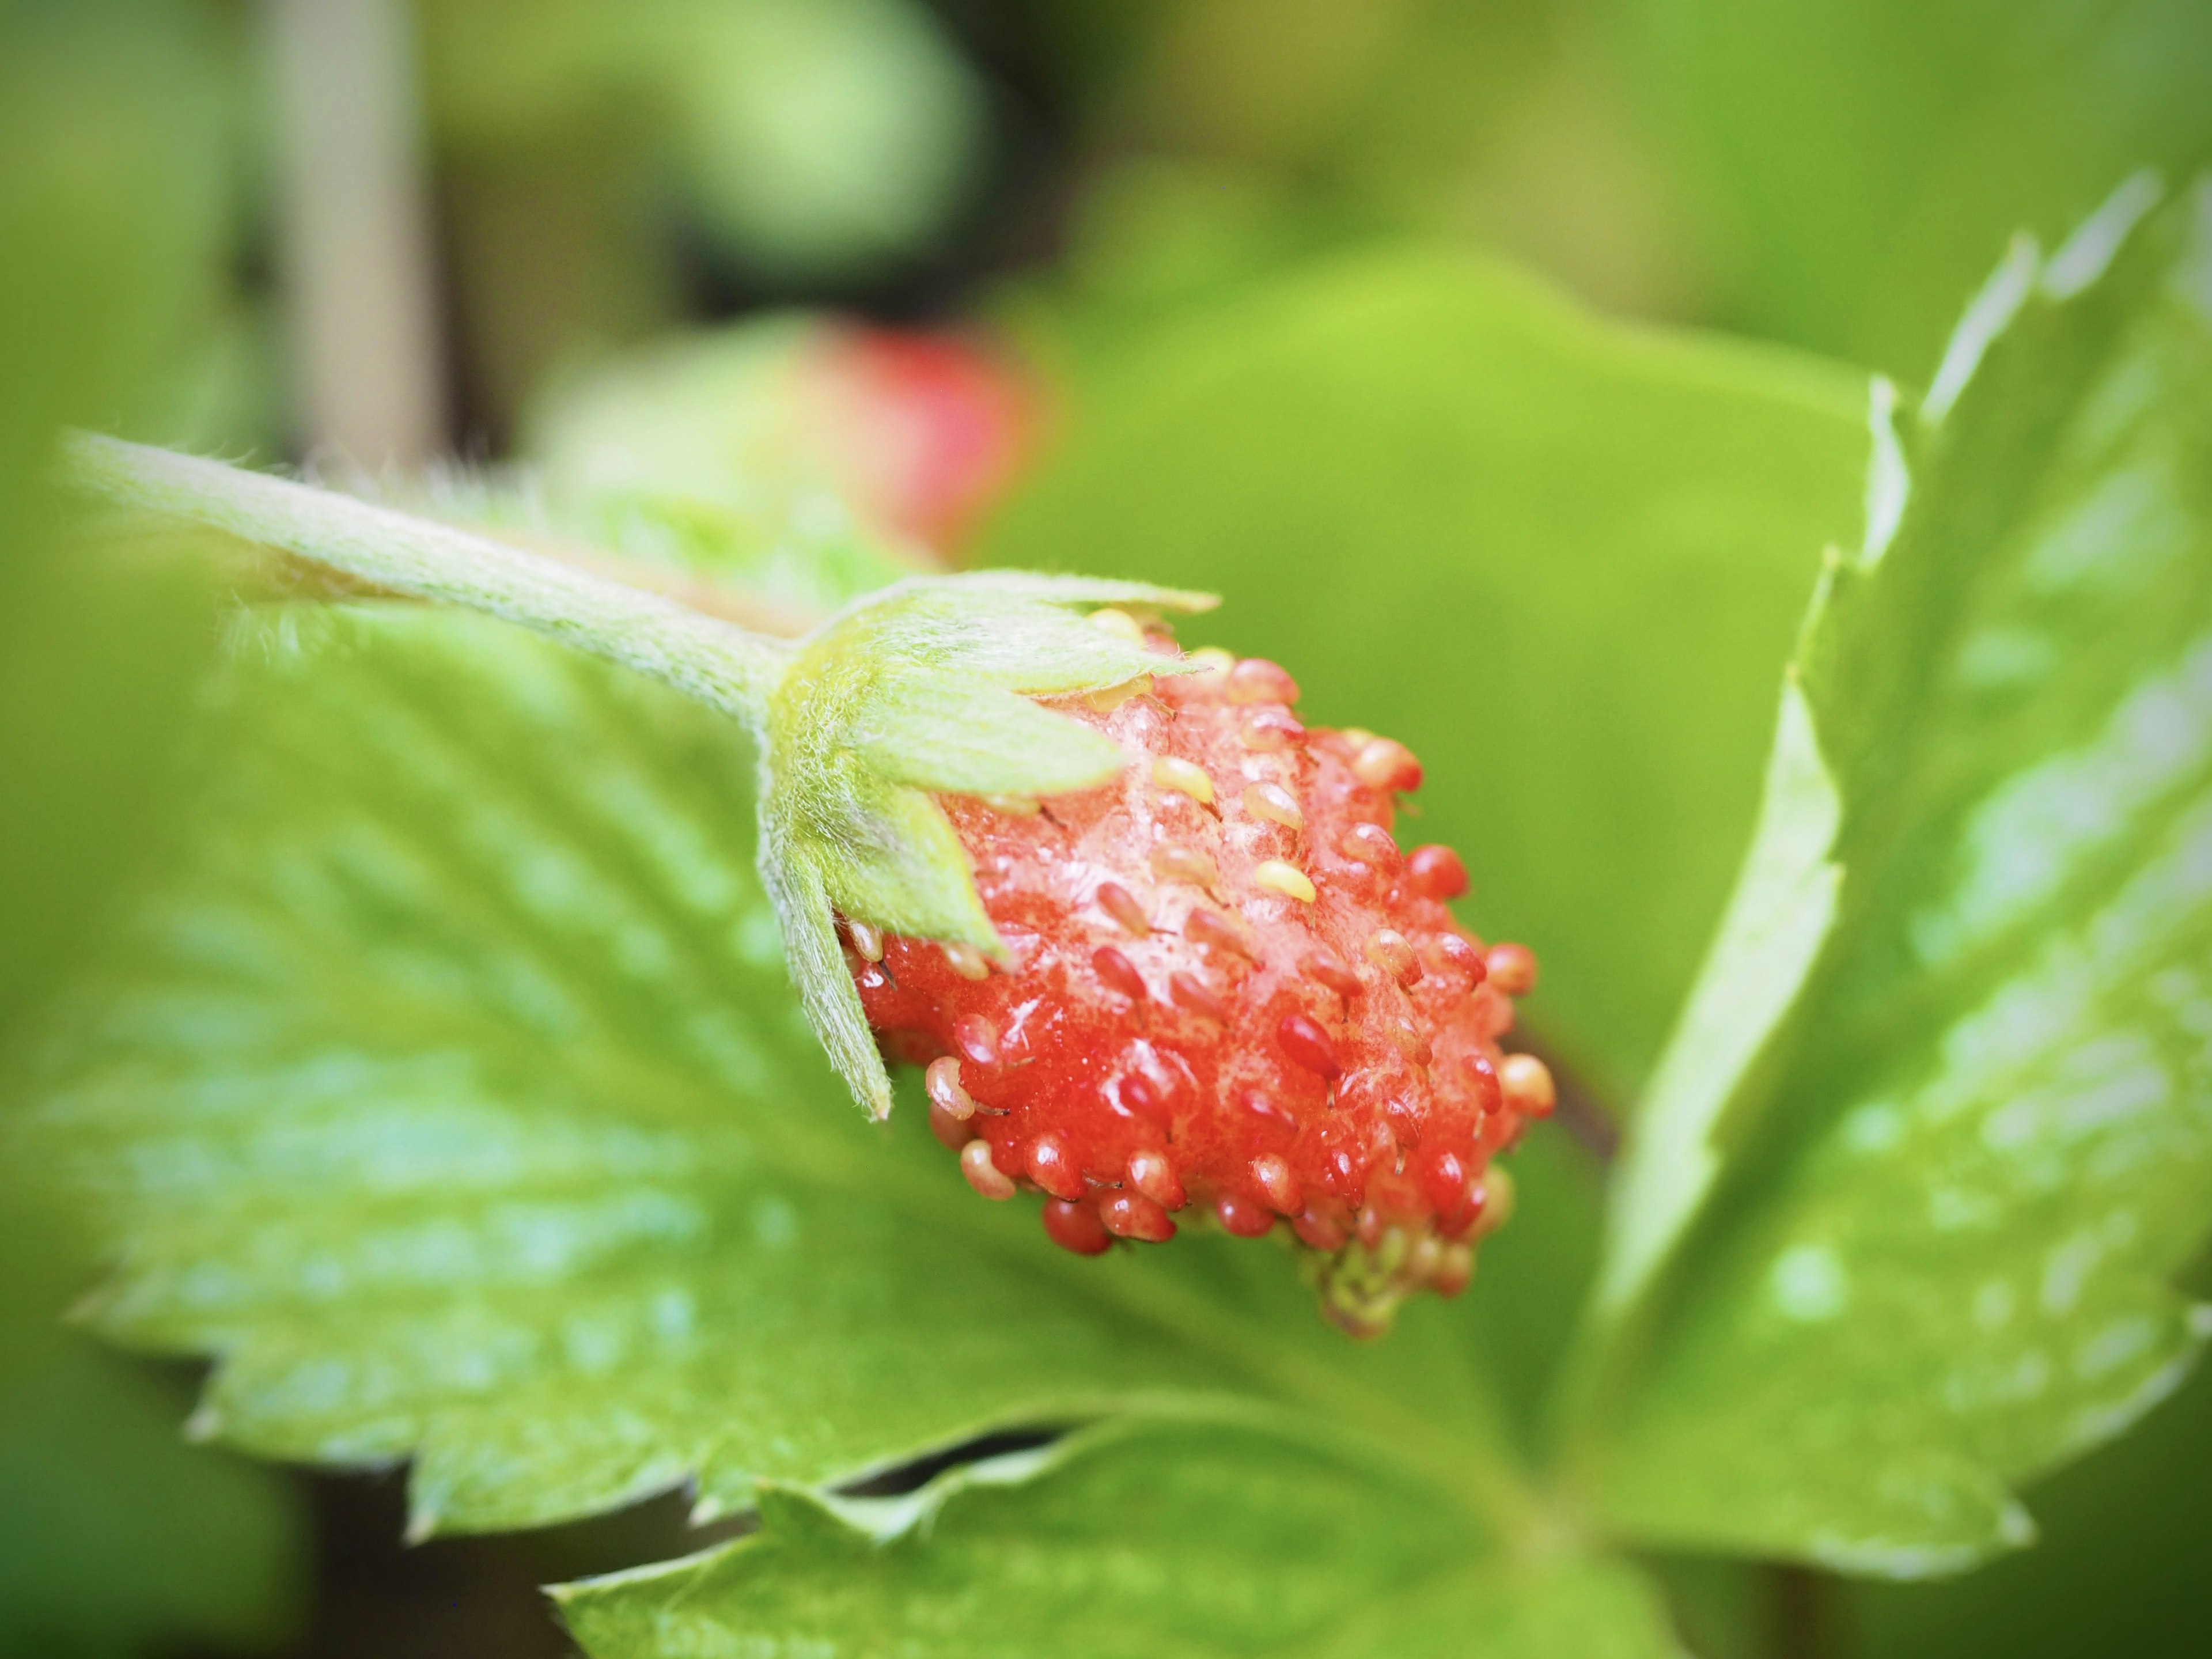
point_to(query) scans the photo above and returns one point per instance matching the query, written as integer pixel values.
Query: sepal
(924, 689)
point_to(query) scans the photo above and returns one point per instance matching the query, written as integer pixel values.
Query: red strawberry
(1232, 997)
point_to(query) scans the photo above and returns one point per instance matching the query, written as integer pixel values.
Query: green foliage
(1563, 561)
(113, 1535)
(113, 1532)
(817, 136)
(449, 1085)
(1833, 173)
(1959, 1146)
(1857, 160)
(1171, 1537)
(2118, 1540)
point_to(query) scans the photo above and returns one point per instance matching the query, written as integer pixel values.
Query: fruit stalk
(701, 656)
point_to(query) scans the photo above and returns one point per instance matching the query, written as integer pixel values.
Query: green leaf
(1865, 156)
(451, 1092)
(1563, 560)
(1174, 1538)
(2117, 1566)
(816, 137)
(1897, 1228)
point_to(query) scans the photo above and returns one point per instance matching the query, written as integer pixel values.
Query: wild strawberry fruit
(1234, 999)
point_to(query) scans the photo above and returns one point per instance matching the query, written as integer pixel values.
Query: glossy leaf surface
(1184, 1538)
(1961, 1141)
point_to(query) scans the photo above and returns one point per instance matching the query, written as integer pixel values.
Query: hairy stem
(701, 656)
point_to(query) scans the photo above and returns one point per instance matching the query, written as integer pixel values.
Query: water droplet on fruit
(1340, 1173)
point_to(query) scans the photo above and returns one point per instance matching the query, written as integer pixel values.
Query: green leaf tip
(1904, 1211)
(927, 688)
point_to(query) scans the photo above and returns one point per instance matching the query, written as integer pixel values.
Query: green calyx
(922, 689)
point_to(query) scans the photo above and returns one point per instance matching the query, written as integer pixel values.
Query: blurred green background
(1304, 300)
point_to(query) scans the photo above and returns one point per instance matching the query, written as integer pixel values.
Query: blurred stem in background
(359, 271)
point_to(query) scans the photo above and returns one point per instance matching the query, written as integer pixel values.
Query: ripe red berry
(1232, 1001)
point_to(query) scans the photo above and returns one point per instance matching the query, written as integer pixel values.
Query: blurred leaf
(115, 1535)
(1516, 126)
(454, 1094)
(1860, 158)
(807, 459)
(98, 657)
(1831, 173)
(1967, 1118)
(816, 137)
(1168, 1538)
(2118, 1566)
(1563, 561)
